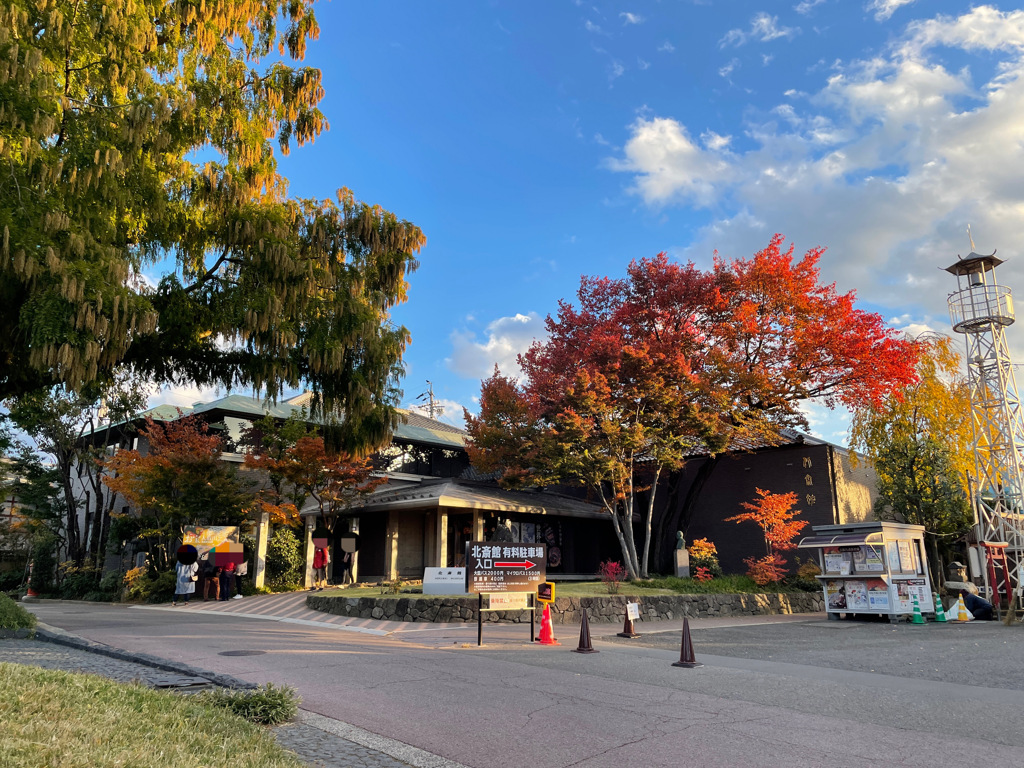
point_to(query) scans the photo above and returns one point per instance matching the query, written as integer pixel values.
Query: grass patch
(720, 585)
(49, 717)
(13, 616)
(269, 705)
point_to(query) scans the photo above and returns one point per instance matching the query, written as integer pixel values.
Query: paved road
(510, 703)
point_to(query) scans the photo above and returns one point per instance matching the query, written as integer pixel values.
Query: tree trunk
(644, 570)
(679, 517)
(619, 534)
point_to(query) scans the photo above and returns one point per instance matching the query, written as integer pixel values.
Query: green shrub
(392, 587)
(268, 705)
(142, 587)
(111, 583)
(44, 564)
(284, 559)
(77, 581)
(11, 581)
(723, 585)
(13, 616)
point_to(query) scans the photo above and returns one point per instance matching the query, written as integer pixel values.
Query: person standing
(185, 584)
(346, 568)
(227, 581)
(320, 561)
(212, 584)
(240, 571)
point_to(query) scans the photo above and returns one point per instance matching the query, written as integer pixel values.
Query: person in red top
(320, 561)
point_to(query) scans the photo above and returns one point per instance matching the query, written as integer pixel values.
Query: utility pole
(433, 410)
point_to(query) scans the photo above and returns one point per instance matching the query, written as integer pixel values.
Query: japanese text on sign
(501, 567)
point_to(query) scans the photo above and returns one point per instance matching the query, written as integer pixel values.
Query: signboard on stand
(504, 567)
(444, 581)
(546, 592)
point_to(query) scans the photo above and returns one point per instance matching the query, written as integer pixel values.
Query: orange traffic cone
(686, 657)
(547, 635)
(585, 645)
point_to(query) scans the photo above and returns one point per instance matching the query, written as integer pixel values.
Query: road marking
(264, 617)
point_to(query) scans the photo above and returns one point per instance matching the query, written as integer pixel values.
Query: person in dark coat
(979, 607)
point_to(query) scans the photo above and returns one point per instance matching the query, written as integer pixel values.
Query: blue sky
(535, 142)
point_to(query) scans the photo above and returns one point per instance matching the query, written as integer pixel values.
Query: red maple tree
(674, 360)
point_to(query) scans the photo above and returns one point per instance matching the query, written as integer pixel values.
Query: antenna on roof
(432, 409)
(970, 238)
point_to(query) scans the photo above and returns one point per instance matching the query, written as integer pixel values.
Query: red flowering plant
(703, 574)
(612, 573)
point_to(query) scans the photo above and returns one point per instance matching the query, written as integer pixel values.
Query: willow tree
(139, 137)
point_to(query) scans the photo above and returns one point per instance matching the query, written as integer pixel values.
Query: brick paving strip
(319, 741)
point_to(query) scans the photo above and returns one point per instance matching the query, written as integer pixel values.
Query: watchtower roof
(974, 262)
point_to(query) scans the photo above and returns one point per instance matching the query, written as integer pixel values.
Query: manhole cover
(241, 653)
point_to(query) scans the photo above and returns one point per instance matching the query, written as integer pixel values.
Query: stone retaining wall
(566, 610)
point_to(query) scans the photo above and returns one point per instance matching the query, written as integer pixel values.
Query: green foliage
(44, 564)
(141, 586)
(267, 705)
(13, 616)
(392, 587)
(78, 581)
(285, 561)
(135, 132)
(722, 584)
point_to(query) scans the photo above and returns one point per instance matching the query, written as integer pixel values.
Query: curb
(56, 636)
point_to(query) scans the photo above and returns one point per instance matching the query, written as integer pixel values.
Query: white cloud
(886, 164)
(729, 68)
(181, 396)
(615, 70)
(886, 8)
(592, 27)
(631, 18)
(666, 47)
(507, 338)
(642, 64)
(714, 141)
(669, 165)
(763, 28)
(806, 6)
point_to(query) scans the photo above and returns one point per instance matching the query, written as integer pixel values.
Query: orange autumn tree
(179, 480)
(774, 513)
(304, 468)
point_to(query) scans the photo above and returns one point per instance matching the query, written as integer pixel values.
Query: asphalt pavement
(786, 691)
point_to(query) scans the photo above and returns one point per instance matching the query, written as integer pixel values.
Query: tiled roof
(457, 494)
(414, 426)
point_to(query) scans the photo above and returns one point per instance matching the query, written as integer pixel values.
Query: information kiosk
(872, 568)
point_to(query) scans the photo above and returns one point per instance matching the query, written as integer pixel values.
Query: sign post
(498, 567)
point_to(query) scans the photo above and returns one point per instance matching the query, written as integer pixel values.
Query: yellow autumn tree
(919, 442)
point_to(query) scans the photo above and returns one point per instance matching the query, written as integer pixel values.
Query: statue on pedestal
(682, 557)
